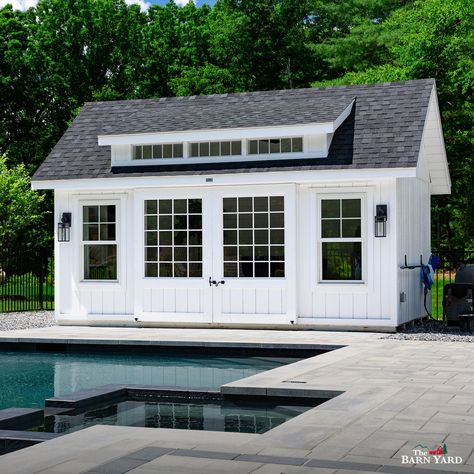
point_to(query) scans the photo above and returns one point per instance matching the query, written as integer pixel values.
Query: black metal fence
(26, 280)
(449, 262)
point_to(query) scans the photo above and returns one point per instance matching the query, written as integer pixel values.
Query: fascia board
(227, 179)
(433, 149)
(217, 134)
(345, 113)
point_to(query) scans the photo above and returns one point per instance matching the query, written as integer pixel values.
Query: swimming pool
(224, 415)
(28, 378)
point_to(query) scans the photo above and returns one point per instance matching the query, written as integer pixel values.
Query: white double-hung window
(99, 241)
(341, 239)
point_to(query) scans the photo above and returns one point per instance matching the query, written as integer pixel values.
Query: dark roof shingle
(383, 130)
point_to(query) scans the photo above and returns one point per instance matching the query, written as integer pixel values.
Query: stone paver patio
(397, 394)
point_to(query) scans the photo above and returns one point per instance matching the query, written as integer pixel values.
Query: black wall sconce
(381, 220)
(64, 228)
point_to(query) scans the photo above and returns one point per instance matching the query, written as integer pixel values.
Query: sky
(25, 4)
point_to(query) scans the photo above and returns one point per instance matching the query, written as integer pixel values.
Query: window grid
(173, 238)
(223, 148)
(341, 239)
(253, 236)
(160, 151)
(99, 242)
(275, 146)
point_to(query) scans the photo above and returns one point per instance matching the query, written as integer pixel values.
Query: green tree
(435, 38)
(22, 211)
(351, 36)
(62, 53)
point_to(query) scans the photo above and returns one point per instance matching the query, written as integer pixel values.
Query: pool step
(19, 418)
(88, 397)
(13, 440)
(112, 393)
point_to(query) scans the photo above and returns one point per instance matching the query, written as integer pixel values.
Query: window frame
(268, 228)
(362, 239)
(144, 245)
(280, 153)
(115, 242)
(220, 155)
(153, 159)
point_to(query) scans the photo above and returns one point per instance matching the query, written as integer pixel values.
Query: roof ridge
(272, 92)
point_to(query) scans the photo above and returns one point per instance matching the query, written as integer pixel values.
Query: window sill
(342, 282)
(103, 282)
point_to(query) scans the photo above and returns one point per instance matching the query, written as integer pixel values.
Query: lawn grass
(440, 280)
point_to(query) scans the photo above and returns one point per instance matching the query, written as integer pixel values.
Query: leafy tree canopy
(435, 38)
(58, 55)
(22, 210)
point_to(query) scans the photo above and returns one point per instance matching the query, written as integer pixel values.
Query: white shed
(254, 209)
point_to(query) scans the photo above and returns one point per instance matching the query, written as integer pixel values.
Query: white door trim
(212, 309)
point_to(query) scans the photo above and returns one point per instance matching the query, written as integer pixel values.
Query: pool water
(28, 378)
(215, 416)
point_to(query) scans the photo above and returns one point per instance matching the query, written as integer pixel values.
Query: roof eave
(237, 177)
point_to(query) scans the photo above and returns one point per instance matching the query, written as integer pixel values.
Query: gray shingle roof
(383, 131)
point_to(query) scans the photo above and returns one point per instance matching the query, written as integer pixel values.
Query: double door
(216, 255)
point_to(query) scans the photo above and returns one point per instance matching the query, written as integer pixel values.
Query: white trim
(82, 282)
(221, 134)
(212, 308)
(343, 116)
(432, 154)
(57, 256)
(228, 179)
(343, 322)
(341, 195)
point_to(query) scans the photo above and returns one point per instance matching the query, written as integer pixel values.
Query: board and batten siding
(307, 300)
(368, 303)
(414, 239)
(78, 299)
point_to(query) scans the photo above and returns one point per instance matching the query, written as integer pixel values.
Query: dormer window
(220, 146)
(154, 152)
(275, 145)
(224, 148)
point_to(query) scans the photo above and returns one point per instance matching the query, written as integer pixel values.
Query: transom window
(99, 242)
(254, 236)
(275, 145)
(225, 148)
(173, 238)
(153, 152)
(341, 239)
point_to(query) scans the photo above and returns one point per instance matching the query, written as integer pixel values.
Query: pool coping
(98, 397)
(396, 394)
(213, 348)
(112, 392)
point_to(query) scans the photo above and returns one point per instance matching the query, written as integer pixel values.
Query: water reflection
(27, 378)
(226, 416)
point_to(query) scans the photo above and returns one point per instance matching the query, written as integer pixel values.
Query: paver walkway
(397, 394)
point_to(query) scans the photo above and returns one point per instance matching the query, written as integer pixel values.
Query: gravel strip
(26, 320)
(431, 331)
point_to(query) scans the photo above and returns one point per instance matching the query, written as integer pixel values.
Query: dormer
(217, 145)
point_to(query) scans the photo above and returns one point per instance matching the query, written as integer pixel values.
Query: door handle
(216, 283)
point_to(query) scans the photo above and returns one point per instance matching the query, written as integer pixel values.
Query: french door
(217, 256)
